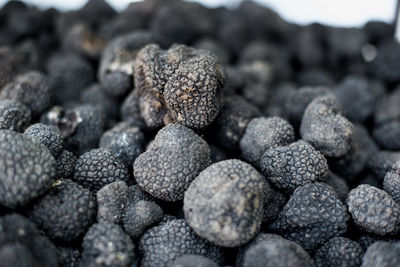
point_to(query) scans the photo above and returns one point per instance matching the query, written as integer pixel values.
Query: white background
(337, 12)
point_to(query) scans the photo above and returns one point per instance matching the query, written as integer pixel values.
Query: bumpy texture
(31, 89)
(81, 126)
(374, 210)
(106, 244)
(162, 244)
(339, 251)
(27, 169)
(391, 183)
(273, 204)
(176, 156)
(263, 134)
(111, 201)
(291, 166)
(65, 212)
(65, 164)
(313, 215)
(116, 64)
(21, 244)
(14, 116)
(68, 256)
(192, 260)
(141, 216)
(325, 128)
(125, 141)
(269, 250)
(99, 167)
(181, 84)
(46, 135)
(224, 204)
(382, 254)
(230, 124)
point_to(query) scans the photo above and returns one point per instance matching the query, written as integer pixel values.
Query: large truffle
(374, 210)
(27, 169)
(224, 204)
(294, 165)
(172, 161)
(181, 84)
(313, 215)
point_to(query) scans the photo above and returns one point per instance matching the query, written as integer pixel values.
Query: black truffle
(382, 254)
(46, 135)
(14, 116)
(391, 183)
(339, 251)
(65, 164)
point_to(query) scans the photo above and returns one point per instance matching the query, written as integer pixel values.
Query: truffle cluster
(172, 134)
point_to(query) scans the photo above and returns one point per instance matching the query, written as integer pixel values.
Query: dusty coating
(191, 260)
(312, 215)
(382, 254)
(224, 204)
(262, 134)
(325, 128)
(124, 141)
(181, 84)
(27, 169)
(65, 164)
(31, 89)
(162, 244)
(14, 116)
(106, 244)
(270, 250)
(339, 251)
(391, 183)
(141, 216)
(46, 135)
(116, 64)
(65, 212)
(99, 167)
(111, 202)
(374, 210)
(230, 124)
(294, 165)
(21, 244)
(172, 161)
(81, 126)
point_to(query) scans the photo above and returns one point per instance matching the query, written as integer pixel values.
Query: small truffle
(14, 116)
(224, 204)
(339, 251)
(391, 183)
(46, 135)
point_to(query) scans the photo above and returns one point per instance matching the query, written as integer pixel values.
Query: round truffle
(46, 135)
(339, 251)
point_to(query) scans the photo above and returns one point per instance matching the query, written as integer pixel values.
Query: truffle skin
(382, 254)
(325, 129)
(124, 141)
(141, 216)
(14, 116)
(374, 210)
(339, 184)
(65, 212)
(274, 251)
(46, 135)
(21, 244)
(192, 260)
(313, 215)
(27, 169)
(99, 167)
(116, 64)
(262, 134)
(382, 161)
(172, 161)
(294, 165)
(68, 256)
(162, 244)
(224, 204)
(391, 183)
(273, 206)
(31, 89)
(339, 251)
(230, 124)
(111, 202)
(65, 164)
(181, 84)
(106, 244)
(81, 126)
